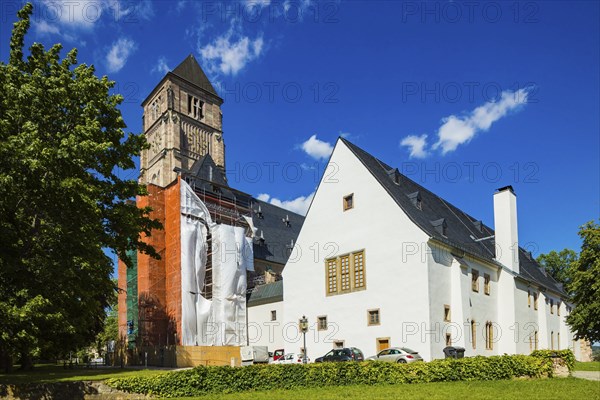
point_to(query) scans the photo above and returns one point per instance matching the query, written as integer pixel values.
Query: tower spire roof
(190, 70)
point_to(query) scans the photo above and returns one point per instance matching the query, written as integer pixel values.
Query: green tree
(62, 202)
(559, 264)
(111, 322)
(585, 285)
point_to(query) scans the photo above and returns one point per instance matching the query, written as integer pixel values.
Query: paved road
(589, 375)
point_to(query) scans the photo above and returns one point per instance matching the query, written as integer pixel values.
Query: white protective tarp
(232, 257)
(196, 311)
(222, 320)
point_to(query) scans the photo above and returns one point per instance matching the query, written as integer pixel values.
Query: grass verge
(587, 366)
(556, 389)
(48, 373)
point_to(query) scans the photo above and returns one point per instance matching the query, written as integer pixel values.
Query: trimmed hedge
(203, 380)
(565, 357)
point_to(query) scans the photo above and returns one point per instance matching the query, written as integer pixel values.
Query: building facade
(217, 243)
(381, 261)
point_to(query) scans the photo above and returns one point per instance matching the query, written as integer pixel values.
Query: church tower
(182, 122)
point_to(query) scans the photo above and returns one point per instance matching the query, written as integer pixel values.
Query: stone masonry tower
(182, 122)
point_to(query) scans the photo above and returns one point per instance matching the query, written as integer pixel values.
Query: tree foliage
(558, 264)
(585, 285)
(62, 202)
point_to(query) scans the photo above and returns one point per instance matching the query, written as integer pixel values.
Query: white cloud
(263, 197)
(416, 144)
(42, 27)
(180, 6)
(84, 14)
(81, 14)
(316, 148)
(161, 66)
(457, 130)
(299, 205)
(230, 52)
(257, 3)
(119, 53)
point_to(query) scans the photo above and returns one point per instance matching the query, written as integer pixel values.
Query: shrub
(565, 357)
(203, 380)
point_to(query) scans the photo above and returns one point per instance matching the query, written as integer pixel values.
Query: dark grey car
(340, 355)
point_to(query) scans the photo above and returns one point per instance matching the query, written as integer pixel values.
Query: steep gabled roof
(190, 70)
(433, 211)
(279, 228)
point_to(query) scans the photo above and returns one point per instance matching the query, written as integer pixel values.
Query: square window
(446, 313)
(348, 202)
(475, 280)
(273, 315)
(322, 323)
(486, 284)
(373, 317)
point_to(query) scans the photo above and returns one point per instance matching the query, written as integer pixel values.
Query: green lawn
(587, 366)
(556, 389)
(56, 373)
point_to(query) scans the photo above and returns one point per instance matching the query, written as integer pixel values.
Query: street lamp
(304, 329)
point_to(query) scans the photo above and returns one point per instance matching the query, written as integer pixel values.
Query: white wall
(262, 331)
(409, 278)
(395, 285)
(450, 283)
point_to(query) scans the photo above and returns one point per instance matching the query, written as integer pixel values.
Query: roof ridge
(378, 171)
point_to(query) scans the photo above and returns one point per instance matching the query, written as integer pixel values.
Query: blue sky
(462, 97)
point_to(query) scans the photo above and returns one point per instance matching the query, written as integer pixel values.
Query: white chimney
(505, 225)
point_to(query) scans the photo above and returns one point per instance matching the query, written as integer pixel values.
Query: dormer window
(415, 199)
(440, 226)
(195, 107)
(394, 174)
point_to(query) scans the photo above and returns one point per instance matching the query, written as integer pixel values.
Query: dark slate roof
(206, 169)
(435, 212)
(190, 70)
(278, 227)
(209, 178)
(265, 294)
(278, 234)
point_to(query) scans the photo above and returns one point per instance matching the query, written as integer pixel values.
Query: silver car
(400, 355)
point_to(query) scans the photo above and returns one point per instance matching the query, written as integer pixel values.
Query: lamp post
(304, 329)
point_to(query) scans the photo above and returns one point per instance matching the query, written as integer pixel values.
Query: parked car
(401, 355)
(345, 354)
(277, 354)
(291, 358)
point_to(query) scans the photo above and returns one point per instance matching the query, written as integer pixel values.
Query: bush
(565, 357)
(203, 380)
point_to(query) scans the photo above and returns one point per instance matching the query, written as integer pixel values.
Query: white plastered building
(381, 261)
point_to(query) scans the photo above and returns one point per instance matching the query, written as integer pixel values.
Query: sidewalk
(589, 375)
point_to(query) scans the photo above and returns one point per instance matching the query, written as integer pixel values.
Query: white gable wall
(396, 286)
(262, 329)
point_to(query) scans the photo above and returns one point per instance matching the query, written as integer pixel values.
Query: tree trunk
(26, 362)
